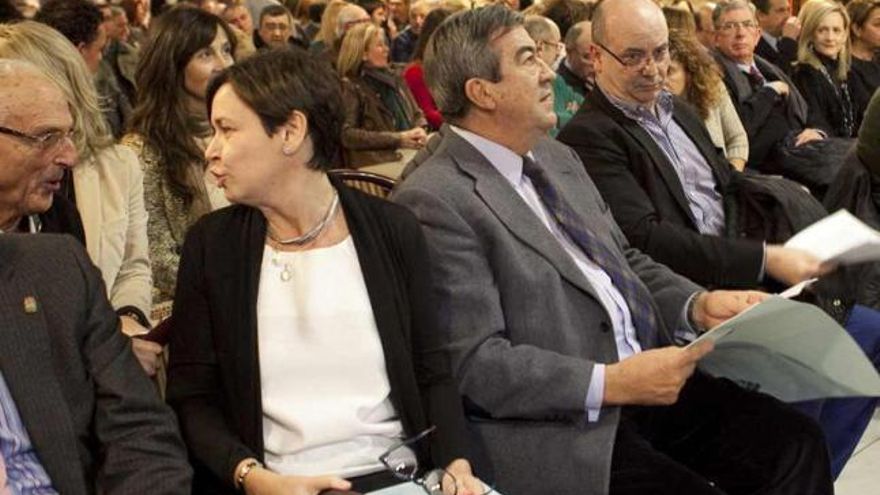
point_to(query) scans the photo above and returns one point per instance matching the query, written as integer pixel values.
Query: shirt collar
(770, 39)
(506, 161)
(34, 225)
(640, 113)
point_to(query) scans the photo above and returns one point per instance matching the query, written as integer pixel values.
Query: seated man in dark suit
(779, 33)
(654, 163)
(771, 109)
(78, 414)
(559, 332)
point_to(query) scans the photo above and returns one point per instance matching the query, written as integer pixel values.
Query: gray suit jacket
(524, 325)
(94, 418)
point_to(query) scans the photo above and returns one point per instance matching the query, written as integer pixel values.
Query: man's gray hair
(725, 7)
(459, 50)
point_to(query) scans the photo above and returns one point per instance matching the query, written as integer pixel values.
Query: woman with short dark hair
(303, 347)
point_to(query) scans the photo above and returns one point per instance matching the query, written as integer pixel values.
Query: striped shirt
(24, 472)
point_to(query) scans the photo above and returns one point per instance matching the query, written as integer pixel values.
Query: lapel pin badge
(30, 305)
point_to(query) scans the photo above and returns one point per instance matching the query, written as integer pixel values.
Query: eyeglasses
(731, 26)
(45, 141)
(637, 60)
(401, 462)
(555, 45)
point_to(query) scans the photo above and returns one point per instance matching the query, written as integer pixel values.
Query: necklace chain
(312, 234)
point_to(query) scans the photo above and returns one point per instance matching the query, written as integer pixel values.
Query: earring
(287, 150)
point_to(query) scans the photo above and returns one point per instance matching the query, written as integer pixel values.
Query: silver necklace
(312, 234)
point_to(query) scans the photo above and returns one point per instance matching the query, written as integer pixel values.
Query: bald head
(624, 17)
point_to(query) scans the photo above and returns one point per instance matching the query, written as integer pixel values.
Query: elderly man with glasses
(77, 413)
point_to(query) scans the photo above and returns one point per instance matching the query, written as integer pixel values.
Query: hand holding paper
(715, 307)
(840, 238)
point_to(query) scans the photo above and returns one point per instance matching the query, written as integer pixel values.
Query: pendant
(286, 273)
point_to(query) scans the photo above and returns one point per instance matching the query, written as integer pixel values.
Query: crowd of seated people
(512, 320)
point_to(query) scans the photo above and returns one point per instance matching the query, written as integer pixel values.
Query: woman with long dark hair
(185, 49)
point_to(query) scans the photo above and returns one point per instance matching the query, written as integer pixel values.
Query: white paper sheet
(793, 351)
(839, 238)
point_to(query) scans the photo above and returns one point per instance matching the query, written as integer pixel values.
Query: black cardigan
(214, 379)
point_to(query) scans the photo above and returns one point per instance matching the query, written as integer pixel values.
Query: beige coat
(110, 199)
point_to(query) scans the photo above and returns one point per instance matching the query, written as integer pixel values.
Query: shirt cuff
(685, 332)
(595, 393)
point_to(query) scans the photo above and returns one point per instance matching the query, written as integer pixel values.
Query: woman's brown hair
(161, 116)
(703, 89)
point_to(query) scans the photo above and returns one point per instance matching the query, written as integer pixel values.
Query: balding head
(35, 147)
(630, 50)
(623, 17)
(577, 50)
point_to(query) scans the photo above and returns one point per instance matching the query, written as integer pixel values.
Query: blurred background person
(694, 76)
(303, 314)
(139, 16)
(83, 23)
(705, 27)
(326, 37)
(239, 18)
(822, 71)
(577, 68)
(779, 33)
(865, 35)
(107, 184)
(312, 23)
(187, 47)
(549, 48)
(381, 118)
(414, 74)
(404, 45)
(680, 20)
(566, 13)
(27, 8)
(276, 28)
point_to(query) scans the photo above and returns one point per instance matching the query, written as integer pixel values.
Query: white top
(325, 389)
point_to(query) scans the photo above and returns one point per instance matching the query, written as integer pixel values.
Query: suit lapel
(513, 212)
(27, 366)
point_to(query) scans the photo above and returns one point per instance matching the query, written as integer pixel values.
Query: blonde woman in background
(327, 33)
(107, 181)
(381, 117)
(823, 68)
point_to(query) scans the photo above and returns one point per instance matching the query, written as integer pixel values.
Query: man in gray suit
(560, 334)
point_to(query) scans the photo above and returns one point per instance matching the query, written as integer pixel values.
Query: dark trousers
(845, 420)
(719, 439)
